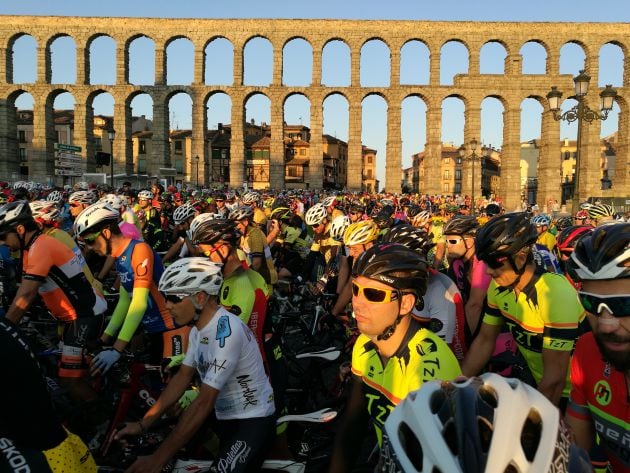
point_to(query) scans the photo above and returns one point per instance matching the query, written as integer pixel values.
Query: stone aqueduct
(511, 89)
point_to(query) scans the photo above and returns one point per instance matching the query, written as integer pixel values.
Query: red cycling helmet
(567, 238)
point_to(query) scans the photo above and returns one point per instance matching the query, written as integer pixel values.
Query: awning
(298, 162)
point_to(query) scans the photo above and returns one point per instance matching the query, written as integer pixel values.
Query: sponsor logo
(176, 345)
(141, 269)
(602, 392)
(146, 397)
(217, 365)
(238, 453)
(204, 341)
(223, 330)
(13, 456)
(249, 395)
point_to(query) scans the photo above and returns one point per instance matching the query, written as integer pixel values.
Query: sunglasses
(75, 204)
(618, 305)
(90, 239)
(214, 249)
(373, 294)
(174, 298)
(454, 241)
(496, 263)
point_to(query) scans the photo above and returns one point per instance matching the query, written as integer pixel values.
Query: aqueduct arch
(512, 86)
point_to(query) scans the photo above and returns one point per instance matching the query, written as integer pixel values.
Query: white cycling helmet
(145, 194)
(189, 276)
(316, 214)
(19, 184)
(81, 186)
(421, 219)
(338, 227)
(44, 210)
(54, 196)
(250, 198)
(240, 213)
(328, 201)
(200, 220)
(183, 213)
(82, 197)
(487, 424)
(95, 216)
(114, 200)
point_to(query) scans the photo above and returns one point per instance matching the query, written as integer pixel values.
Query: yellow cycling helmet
(360, 233)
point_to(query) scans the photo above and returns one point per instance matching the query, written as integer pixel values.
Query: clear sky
(258, 59)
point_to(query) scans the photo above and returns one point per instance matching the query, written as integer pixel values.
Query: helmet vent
(411, 445)
(530, 434)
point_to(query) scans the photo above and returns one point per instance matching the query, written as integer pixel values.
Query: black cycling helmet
(504, 235)
(602, 254)
(564, 222)
(385, 217)
(212, 231)
(492, 210)
(413, 210)
(14, 214)
(416, 239)
(461, 225)
(395, 265)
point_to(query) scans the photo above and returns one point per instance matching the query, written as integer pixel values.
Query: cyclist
(600, 368)
(466, 270)
(150, 222)
(54, 271)
(394, 354)
(489, 424)
(182, 217)
(330, 203)
(541, 310)
(223, 352)
(80, 200)
(254, 244)
(565, 243)
(259, 218)
(324, 248)
(139, 269)
(545, 237)
(31, 437)
(290, 241)
(601, 214)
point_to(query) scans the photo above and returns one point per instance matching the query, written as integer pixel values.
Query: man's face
(76, 208)
(502, 270)
(373, 317)
(97, 241)
(144, 203)
(612, 332)
(10, 240)
(319, 228)
(458, 245)
(181, 308)
(220, 203)
(356, 250)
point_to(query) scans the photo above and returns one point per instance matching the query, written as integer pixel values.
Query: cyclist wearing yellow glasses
(394, 354)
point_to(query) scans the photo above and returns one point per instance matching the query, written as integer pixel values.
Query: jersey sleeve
(142, 265)
(437, 361)
(480, 278)
(228, 341)
(256, 244)
(238, 297)
(38, 261)
(578, 405)
(561, 313)
(492, 316)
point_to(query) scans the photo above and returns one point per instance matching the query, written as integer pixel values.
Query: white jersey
(227, 357)
(440, 302)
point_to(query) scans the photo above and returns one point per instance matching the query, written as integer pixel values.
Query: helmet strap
(389, 331)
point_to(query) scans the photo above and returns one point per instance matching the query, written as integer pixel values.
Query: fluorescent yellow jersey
(546, 238)
(546, 315)
(421, 357)
(324, 243)
(254, 244)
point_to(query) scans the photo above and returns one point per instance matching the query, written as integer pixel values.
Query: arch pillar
(199, 127)
(473, 60)
(122, 63)
(393, 166)
(83, 65)
(626, 70)
(434, 66)
(355, 66)
(394, 65)
(160, 64)
(276, 145)
(160, 147)
(199, 64)
(549, 163)
(513, 64)
(42, 160)
(432, 152)
(44, 69)
(123, 144)
(237, 146)
(591, 65)
(317, 67)
(472, 130)
(553, 62)
(621, 181)
(79, 134)
(511, 158)
(277, 66)
(355, 149)
(316, 156)
(6, 64)
(238, 66)
(8, 139)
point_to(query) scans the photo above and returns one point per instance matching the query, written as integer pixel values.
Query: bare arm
(23, 299)
(555, 366)
(173, 250)
(582, 430)
(474, 306)
(480, 350)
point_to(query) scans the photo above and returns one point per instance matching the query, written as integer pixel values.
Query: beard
(619, 360)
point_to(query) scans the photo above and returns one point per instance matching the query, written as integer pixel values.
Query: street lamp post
(472, 158)
(197, 170)
(580, 113)
(111, 134)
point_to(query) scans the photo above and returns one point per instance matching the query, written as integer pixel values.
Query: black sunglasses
(174, 298)
(496, 263)
(618, 305)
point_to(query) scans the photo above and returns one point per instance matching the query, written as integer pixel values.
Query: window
(369, 174)
(458, 188)
(22, 136)
(142, 147)
(178, 146)
(445, 187)
(303, 152)
(295, 171)
(98, 143)
(23, 155)
(447, 174)
(447, 160)
(369, 160)
(142, 166)
(458, 174)
(459, 161)
(58, 137)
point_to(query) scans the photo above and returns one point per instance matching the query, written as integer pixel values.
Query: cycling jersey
(260, 218)
(254, 244)
(139, 266)
(547, 240)
(600, 394)
(225, 354)
(421, 357)
(545, 315)
(444, 307)
(324, 243)
(460, 270)
(65, 290)
(545, 259)
(244, 294)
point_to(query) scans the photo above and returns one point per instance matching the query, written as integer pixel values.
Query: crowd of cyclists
(436, 294)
